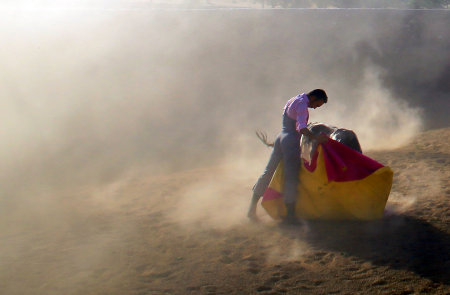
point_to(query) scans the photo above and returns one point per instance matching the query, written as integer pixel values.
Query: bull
(308, 146)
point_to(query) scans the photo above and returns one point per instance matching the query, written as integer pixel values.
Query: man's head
(317, 98)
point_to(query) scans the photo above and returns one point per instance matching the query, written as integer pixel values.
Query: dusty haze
(90, 99)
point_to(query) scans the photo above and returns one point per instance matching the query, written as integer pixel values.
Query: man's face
(315, 103)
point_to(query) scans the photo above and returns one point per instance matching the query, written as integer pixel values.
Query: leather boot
(291, 218)
(252, 210)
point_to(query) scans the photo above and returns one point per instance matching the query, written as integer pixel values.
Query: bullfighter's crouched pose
(287, 148)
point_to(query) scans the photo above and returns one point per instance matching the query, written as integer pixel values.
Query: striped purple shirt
(297, 109)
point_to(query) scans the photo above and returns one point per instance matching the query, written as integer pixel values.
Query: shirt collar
(304, 95)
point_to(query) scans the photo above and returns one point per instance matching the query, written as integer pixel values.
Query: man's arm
(319, 138)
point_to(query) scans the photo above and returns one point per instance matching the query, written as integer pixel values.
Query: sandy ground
(186, 233)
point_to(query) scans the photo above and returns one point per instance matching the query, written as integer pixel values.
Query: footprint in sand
(273, 279)
(379, 282)
(253, 268)
(263, 288)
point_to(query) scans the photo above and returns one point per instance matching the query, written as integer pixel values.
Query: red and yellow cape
(338, 183)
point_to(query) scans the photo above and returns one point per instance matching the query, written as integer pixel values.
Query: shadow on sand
(401, 242)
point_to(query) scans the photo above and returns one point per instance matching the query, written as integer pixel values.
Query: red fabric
(345, 164)
(311, 166)
(271, 194)
(341, 163)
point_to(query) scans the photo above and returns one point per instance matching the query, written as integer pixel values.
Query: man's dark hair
(319, 94)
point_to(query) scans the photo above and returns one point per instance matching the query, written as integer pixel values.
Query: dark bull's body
(308, 147)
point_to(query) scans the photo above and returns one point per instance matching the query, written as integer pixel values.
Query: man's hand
(321, 138)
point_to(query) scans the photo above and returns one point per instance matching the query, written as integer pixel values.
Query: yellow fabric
(317, 198)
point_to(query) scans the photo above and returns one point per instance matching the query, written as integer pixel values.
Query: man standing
(287, 148)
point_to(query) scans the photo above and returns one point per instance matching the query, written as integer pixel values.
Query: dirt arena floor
(186, 233)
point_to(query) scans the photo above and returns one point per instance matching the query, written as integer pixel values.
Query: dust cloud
(92, 98)
(417, 182)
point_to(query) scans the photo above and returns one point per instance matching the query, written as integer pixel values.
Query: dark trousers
(286, 148)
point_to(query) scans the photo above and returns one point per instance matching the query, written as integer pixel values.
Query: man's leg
(290, 146)
(263, 181)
